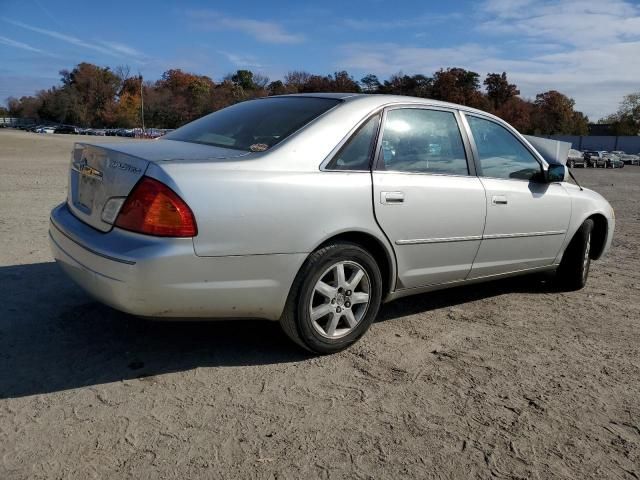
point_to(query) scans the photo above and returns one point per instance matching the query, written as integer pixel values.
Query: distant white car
(45, 130)
(627, 158)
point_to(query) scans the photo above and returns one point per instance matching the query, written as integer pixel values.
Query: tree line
(94, 96)
(626, 121)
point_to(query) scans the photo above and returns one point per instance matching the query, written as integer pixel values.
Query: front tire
(572, 164)
(574, 268)
(334, 298)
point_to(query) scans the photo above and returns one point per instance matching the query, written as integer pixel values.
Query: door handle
(499, 200)
(391, 198)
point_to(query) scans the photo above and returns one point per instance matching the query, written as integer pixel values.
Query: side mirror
(555, 173)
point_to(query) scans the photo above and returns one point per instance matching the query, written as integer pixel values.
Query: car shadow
(54, 337)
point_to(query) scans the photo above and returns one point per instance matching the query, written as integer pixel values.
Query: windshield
(255, 125)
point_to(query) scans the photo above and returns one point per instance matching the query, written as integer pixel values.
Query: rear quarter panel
(258, 212)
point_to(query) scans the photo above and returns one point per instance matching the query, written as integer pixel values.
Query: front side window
(423, 141)
(500, 153)
(356, 153)
(255, 125)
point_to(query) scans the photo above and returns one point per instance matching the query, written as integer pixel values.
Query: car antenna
(575, 179)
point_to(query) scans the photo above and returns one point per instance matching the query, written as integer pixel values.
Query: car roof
(378, 100)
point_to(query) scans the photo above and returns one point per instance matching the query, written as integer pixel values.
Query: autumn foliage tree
(457, 85)
(90, 95)
(554, 114)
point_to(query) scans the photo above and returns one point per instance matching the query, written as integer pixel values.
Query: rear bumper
(162, 277)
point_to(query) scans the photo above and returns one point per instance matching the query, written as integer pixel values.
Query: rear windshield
(255, 125)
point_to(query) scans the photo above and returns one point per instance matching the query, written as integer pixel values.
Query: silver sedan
(314, 209)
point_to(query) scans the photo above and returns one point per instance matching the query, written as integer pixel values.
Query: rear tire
(574, 268)
(572, 164)
(334, 298)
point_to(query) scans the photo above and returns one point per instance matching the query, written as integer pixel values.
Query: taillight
(153, 208)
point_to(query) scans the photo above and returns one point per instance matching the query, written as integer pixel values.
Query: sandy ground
(507, 379)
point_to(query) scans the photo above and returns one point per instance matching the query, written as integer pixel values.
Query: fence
(627, 144)
(16, 122)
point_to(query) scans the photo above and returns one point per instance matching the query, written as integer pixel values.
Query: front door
(527, 219)
(426, 198)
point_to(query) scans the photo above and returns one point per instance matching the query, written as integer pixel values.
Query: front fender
(586, 203)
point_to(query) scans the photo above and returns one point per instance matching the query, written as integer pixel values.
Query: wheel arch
(376, 247)
(598, 235)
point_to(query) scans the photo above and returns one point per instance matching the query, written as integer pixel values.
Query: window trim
(476, 156)
(348, 137)
(378, 158)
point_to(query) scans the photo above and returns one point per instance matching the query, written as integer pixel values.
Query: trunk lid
(97, 175)
(103, 175)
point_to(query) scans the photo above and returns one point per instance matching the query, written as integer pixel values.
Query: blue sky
(588, 49)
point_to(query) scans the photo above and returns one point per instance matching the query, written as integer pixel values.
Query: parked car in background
(612, 160)
(69, 129)
(575, 158)
(44, 129)
(126, 132)
(264, 209)
(627, 158)
(92, 131)
(595, 158)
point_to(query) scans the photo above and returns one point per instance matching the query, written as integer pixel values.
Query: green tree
(277, 88)
(86, 93)
(243, 79)
(499, 90)
(626, 121)
(370, 84)
(415, 85)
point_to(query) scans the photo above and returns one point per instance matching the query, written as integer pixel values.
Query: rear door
(426, 196)
(527, 219)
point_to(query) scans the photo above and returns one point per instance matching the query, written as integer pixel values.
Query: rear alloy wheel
(334, 299)
(574, 268)
(572, 164)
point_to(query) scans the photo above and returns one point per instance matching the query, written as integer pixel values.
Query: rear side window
(501, 153)
(356, 153)
(423, 141)
(255, 125)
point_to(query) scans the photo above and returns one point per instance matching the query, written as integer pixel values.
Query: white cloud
(569, 23)
(113, 49)
(587, 49)
(23, 46)
(265, 31)
(240, 60)
(124, 50)
(391, 23)
(60, 36)
(389, 58)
